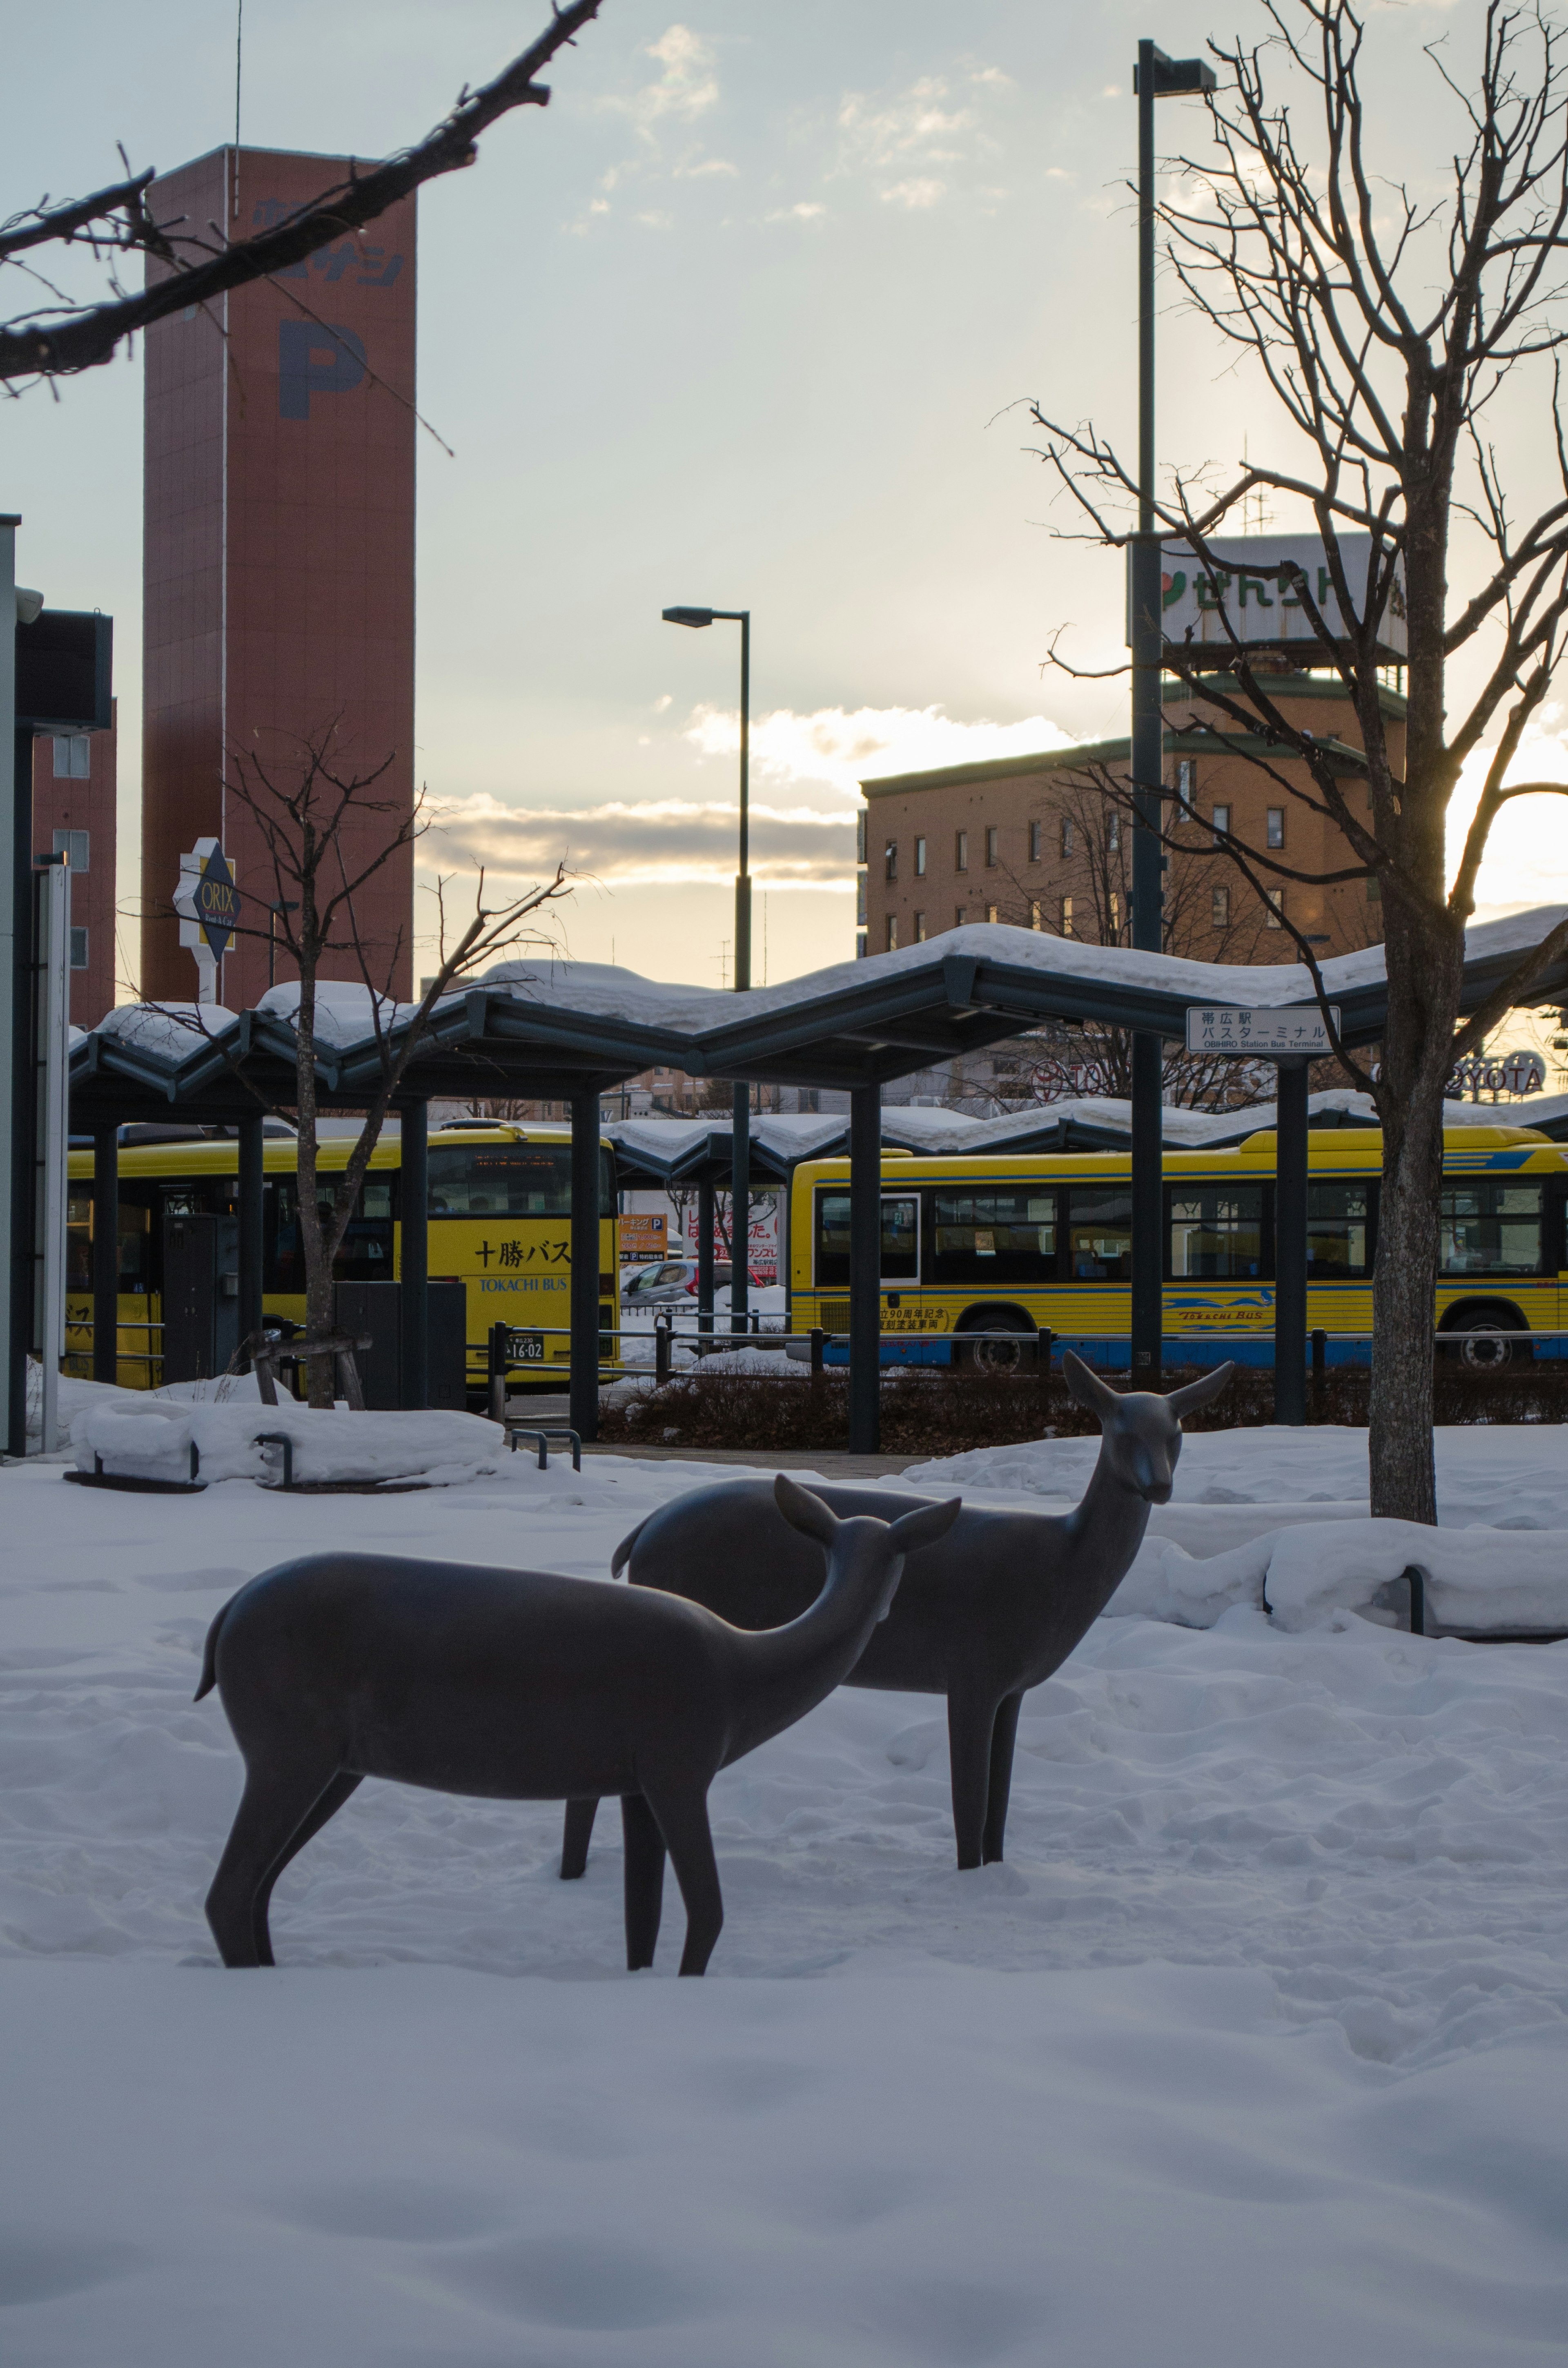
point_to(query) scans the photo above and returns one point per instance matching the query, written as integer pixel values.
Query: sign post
(51, 1004)
(1291, 1038)
(209, 906)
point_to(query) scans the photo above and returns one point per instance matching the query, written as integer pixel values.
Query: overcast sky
(749, 316)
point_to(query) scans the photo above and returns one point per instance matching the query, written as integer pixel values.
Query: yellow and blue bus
(1017, 1246)
(500, 1204)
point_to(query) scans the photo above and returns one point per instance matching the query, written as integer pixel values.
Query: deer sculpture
(523, 1685)
(981, 1615)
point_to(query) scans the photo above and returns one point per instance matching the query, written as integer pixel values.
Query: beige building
(1036, 842)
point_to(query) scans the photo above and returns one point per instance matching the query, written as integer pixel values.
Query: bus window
(366, 1252)
(509, 1180)
(1488, 1228)
(1217, 1232)
(1339, 1230)
(994, 1237)
(79, 1241)
(901, 1238)
(1099, 1236)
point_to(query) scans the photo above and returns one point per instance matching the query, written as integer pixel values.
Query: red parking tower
(278, 554)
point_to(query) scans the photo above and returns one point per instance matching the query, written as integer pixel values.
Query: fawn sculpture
(523, 1685)
(981, 1615)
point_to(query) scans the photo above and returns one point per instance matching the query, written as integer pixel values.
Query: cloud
(807, 211)
(687, 87)
(706, 170)
(915, 194)
(841, 748)
(653, 842)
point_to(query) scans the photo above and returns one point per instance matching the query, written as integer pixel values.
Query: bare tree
(325, 835)
(1086, 817)
(195, 262)
(1384, 326)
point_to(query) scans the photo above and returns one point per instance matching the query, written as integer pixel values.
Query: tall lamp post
(1154, 76)
(740, 1161)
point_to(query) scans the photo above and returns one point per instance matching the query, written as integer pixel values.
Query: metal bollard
(497, 1364)
(1046, 1342)
(819, 1340)
(660, 1351)
(1320, 1368)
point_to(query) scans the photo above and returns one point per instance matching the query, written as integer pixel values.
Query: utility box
(376, 1309)
(202, 1296)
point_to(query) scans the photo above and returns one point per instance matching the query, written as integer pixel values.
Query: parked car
(672, 1282)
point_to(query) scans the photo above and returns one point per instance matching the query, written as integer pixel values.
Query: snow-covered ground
(1255, 2049)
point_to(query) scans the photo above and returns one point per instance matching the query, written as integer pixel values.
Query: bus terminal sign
(1296, 1032)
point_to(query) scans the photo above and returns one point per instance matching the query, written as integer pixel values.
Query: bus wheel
(1013, 1354)
(1481, 1343)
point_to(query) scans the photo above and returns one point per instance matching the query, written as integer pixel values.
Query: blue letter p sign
(315, 360)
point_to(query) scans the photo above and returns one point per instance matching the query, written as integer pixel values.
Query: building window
(961, 850)
(991, 914)
(1219, 908)
(1115, 915)
(78, 949)
(1067, 916)
(1221, 816)
(860, 836)
(76, 846)
(961, 914)
(991, 838)
(1185, 779)
(1275, 899)
(890, 860)
(1066, 835)
(920, 859)
(892, 933)
(1274, 831)
(919, 929)
(1037, 834)
(860, 946)
(860, 896)
(1374, 889)
(1035, 921)
(72, 756)
(1113, 832)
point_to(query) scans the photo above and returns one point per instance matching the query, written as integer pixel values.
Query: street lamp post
(1154, 76)
(740, 1159)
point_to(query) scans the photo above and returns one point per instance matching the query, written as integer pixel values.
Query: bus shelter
(571, 1031)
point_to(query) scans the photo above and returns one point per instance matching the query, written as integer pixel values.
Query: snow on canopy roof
(169, 1031)
(346, 1009)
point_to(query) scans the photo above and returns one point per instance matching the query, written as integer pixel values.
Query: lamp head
(696, 617)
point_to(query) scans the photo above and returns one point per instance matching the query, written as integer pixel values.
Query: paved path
(831, 1463)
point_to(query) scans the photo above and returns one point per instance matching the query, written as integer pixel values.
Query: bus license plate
(526, 1347)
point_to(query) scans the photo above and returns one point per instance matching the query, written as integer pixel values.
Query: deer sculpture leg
(971, 1724)
(1003, 1734)
(274, 1804)
(326, 1808)
(576, 1834)
(682, 1815)
(644, 1847)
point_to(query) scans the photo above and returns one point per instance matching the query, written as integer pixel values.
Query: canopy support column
(414, 1268)
(740, 1210)
(865, 1269)
(250, 1183)
(586, 1265)
(705, 1253)
(1291, 1245)
(105, 1254)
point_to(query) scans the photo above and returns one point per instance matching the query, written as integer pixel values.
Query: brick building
(278, 556)
(1032, 841)
(74, 786)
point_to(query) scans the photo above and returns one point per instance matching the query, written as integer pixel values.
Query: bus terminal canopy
(549, 1030)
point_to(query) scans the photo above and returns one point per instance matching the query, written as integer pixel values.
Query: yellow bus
(500, 1202)
(1024, 1246)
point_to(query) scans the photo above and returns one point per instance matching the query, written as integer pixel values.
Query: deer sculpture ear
(1087, 1385)
(1201, 1393)
(803, 1511)
(912, 1530)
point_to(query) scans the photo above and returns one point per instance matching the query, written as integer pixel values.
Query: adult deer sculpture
(980, 1616)
(524, 1685)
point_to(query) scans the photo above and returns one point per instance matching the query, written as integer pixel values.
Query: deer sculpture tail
(209, 1653)
(623, 1554)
